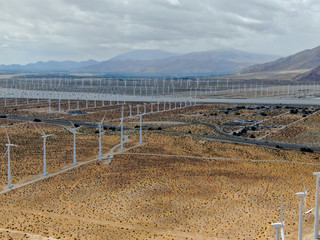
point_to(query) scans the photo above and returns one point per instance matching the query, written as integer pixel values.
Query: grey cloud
(80, 29)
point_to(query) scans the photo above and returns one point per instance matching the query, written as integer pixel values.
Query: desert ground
(177, 185)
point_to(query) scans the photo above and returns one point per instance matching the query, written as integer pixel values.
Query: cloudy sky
(33, 30)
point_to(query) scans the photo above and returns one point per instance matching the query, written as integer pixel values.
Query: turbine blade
(72, 124)
(281, 211)
(305, 200)
(5, 153)
(42, 130)
(305, 191)
(8, 137)
(282, 220)
(103, 118)
(304, 186)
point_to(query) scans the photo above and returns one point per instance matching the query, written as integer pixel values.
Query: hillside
(312, 75)
(305, 60)
(144, 55)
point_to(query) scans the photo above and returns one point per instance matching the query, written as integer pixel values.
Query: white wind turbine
(9, 144)
(282, 221)
(277, 226)
(280, 225)
(316, 214)
(141, 142)
(100, 126)
(121, 123)
(305, 199)
(74, 130)
(44, 136)
(301, 195)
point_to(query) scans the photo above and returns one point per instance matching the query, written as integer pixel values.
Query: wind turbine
(277, 226)
(100, 125)
(74, 129)
(306, 193)
(44, 136)
(316, 214)
(301, 195)
(141, 128)
(9, 144)
(280, 225)
(121, 123)
(59, 105)
(130, 110)
(282, 220)
(49, 105)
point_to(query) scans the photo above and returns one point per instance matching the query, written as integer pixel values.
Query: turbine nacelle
(277, 225)
(48, 135)
(301, 194)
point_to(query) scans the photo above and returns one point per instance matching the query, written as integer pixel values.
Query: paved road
(230, 139)
(256, 142)
(63, 122)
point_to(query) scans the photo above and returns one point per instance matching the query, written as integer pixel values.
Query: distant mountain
(304, 60)
(226, 61)
(312, 75)
(51, 66)
(144, 55)
(155, 62)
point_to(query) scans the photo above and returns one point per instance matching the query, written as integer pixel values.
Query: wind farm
(165, 169)
(165, 120)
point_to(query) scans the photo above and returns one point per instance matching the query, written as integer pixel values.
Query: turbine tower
(277, 226)
(9, 144)
(301, 195)
(306, 192)
(74, 130)
(44, 136)
(316, 214)
(121, 123)
(280, 225)
(141, 129)
(100, 126)
(282, 221)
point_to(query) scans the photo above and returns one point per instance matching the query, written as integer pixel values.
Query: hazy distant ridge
(51, 66)
(225, 61)
(217, 62)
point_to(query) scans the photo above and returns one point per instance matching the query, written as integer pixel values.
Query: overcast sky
(33, 30)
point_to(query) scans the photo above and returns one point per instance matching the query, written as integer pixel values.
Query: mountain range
(51, 66)
(152, 62)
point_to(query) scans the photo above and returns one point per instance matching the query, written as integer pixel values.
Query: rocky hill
(305, 60)
(312, 75)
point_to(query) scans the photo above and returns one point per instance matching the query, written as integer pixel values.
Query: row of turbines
(279, 226)
(74, 130)
(59, 99)
(164, 87)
